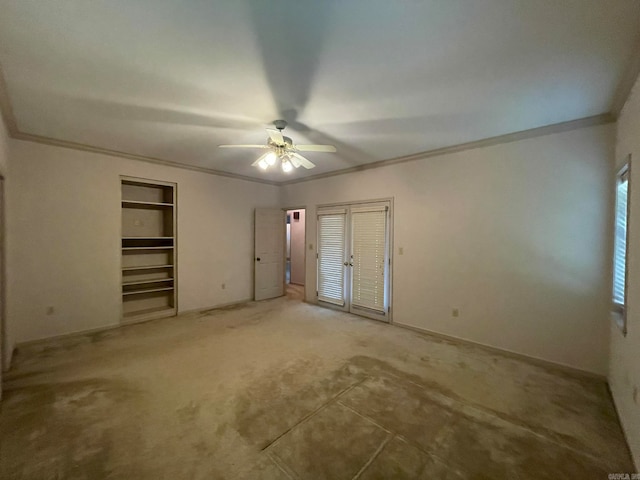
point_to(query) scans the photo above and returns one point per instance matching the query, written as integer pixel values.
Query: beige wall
(6, 343)
(514, 235)
(624, 370)
(64, 238)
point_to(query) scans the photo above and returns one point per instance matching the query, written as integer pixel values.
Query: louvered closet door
(331, 256)
(369, 260)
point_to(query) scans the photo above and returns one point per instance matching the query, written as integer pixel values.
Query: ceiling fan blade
(302, 161)
(316, 148)
(276, 136)
(243, 146)
(294, 161)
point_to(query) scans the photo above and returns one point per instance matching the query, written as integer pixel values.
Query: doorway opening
(354, 258)
(295, 253)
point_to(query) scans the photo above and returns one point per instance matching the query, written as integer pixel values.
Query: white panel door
(269, 253)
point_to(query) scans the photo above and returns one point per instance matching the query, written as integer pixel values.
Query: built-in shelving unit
(148, 249)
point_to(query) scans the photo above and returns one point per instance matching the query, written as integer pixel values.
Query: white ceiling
(172, 79)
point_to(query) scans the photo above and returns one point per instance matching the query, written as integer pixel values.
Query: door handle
(257, 259)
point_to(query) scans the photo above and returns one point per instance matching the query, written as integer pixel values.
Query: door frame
(284, 273)
(390, 233)
(6, 350)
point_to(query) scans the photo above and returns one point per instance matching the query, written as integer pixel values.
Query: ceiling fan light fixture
(282, 149)
(271, 158)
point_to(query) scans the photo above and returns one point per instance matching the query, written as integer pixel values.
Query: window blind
(369, 257)
(331, 246)
(620, 241)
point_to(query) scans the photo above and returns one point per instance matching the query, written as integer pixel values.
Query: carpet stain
(83, 413)
(282, 389)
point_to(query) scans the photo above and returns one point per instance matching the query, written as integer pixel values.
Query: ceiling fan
(282, 148)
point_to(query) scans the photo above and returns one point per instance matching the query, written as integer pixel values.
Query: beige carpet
(286, 390)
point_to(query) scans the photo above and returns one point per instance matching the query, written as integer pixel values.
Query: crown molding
(6, 110)
(10, 120)
(131, 156)
(487, 142)
(629, 78)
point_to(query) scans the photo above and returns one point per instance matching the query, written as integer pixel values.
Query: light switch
(311, 246)
(401, 251)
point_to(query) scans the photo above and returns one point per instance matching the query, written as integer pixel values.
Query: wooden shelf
(150, 290)
(139, 204)
(146, 248)
(146, 267)
(149, 311)
(142, 282)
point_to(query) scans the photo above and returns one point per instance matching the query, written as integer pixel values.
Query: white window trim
(619, 311)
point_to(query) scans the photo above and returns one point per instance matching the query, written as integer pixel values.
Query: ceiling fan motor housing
(280, 124)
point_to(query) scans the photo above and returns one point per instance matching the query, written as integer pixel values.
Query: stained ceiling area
(379, 79)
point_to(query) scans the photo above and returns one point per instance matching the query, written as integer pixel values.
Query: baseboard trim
(90, 331)
(64, 336)
(624, 431)
(215, 307)
(568, 369)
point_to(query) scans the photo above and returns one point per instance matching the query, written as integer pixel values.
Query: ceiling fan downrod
(280, 124)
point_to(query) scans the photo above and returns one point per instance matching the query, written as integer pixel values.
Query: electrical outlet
(223, 286)
(50, 310)
(455, 312)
